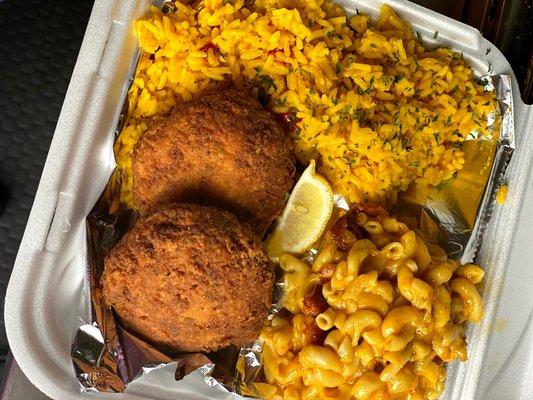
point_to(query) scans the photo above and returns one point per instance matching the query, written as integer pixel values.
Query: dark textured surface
(39, 43)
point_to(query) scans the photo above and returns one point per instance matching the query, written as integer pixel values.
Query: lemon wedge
(305, 216)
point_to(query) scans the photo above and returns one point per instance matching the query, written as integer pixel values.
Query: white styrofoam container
(47, 297)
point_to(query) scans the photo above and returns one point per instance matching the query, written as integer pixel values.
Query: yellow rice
(375, 108)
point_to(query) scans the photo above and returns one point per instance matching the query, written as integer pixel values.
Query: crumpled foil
(107, 357)
(456, 213)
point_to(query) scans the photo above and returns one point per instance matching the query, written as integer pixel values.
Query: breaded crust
(190, 278)
(220, 149)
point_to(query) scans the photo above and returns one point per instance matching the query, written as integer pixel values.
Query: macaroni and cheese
(377, 315)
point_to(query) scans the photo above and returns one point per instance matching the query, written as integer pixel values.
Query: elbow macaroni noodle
(378, 321)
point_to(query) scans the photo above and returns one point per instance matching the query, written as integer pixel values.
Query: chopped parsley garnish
(280, 102)
(457, 56)
(483, 82)
(344, 113)
(371, 85)
(396, 119)
(358, 114)
(266, 82)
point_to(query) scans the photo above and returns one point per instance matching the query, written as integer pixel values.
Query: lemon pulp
(305, 216)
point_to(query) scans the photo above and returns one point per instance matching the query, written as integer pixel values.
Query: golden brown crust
(190, 278)
(220, 149)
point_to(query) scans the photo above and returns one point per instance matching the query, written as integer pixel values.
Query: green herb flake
(396, 119)
(346, 109)
(435, 35)
(419, 37)
(457, 56)
(267, 82)
(398, 78)
(263, 83)
(280, 102)
(483, 82)
(358, 114)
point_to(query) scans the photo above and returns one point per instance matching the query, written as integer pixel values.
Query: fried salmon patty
(190, 278)
(220, 149)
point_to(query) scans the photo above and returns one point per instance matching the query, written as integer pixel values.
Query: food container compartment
(48, 298)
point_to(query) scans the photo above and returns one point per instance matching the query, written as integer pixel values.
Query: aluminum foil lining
(106, 357)
(456, 213)
(504, 150)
